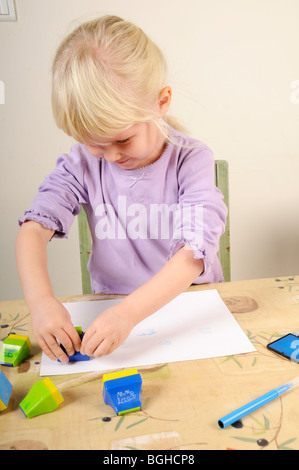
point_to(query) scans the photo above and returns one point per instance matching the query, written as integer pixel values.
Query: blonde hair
(107, 76)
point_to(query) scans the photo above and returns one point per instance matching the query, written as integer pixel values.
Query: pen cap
(294, 382)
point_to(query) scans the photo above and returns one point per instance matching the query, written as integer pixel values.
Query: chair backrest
(85, 250)
(221, 181)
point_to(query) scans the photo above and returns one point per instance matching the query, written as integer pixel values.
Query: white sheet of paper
(195, 325)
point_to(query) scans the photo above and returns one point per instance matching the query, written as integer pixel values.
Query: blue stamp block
(122, 392)
(77, 356)
(5, 391)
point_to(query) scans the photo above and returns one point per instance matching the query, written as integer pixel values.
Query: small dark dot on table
(106, 419)
(262, 442)
(237, 424)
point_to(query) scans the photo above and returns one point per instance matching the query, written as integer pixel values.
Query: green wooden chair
(85, 250)
(221, 181)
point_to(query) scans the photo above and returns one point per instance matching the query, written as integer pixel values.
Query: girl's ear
(164, 100)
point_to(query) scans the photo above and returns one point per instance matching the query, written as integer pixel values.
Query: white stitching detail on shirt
(135, 179)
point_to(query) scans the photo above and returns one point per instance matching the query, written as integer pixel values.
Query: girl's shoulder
(77, 160)
(78, 154)
(191, 151)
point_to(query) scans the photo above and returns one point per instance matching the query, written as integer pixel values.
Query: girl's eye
(122, 142)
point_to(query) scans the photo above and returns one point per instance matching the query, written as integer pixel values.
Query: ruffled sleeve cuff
(198, 252)
(49, 222)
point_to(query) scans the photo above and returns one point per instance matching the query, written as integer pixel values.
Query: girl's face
(138, 146)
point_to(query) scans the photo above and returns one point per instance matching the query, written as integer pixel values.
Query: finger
(112, 348)
(51, 345)
(74, 335)
(93, 344)
(66, 342)
(45, 348)
(74, 340)
(103, 349)
(57, 350)
(86, 338)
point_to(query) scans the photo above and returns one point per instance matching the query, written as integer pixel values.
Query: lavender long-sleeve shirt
(138, 218)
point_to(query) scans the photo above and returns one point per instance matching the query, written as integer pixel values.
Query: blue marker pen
(257, 403)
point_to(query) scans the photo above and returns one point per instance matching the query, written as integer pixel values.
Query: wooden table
(181, 402)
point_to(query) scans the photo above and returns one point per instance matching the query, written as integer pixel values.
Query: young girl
(154, 212)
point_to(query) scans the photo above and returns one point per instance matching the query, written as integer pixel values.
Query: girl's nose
(111, 155)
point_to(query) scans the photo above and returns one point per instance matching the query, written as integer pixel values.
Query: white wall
(232, 63)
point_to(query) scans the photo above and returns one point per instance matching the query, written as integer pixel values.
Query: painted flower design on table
(13, 324)
(263, 433)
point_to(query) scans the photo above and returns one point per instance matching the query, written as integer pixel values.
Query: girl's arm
(113, 326)
(174, 278)
(50, 320)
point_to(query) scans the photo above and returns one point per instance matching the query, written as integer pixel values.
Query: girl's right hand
(51, 322)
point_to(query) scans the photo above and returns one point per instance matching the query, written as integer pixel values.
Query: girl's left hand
(106, 333)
